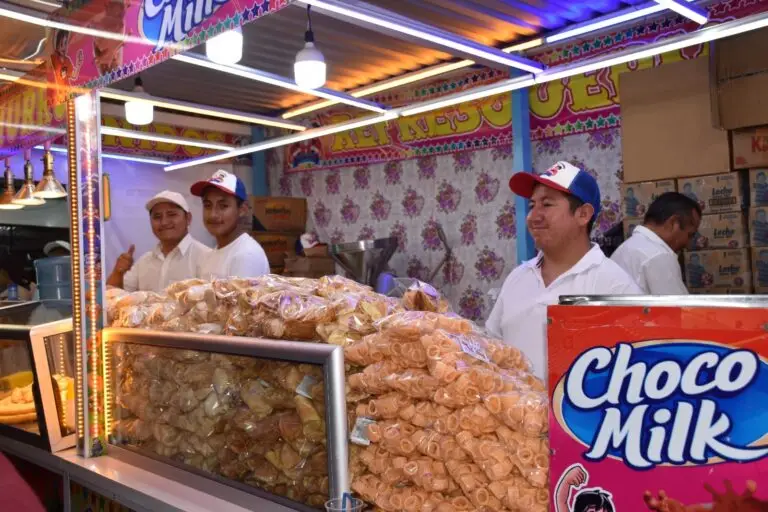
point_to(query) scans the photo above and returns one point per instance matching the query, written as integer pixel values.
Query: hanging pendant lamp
(26, 194)
(309, 69)
(49, 187)
(139, 112)
(6, 198)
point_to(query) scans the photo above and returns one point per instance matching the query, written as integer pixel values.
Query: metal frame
(50, 437)
(331, 357)
(713, 301)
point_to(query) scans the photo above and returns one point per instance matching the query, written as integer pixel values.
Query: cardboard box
(276, 245)
(637, 197)
(309, 267)
(758, 187)
(281, 213)
(750, 148)
(666, 123)
(721, 231)
(740, 79)
(630, 225)
(715, 194)
(718, 269)
(760, 269)
(758, 227)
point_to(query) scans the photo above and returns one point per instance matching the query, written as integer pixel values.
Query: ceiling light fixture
(6, 198)
(288, 139)
(389, 21)
(137, 111)
(226, 48)
(115, 156)
(26, 194)
(156, 137)
(203, 110)
(309, 69)
(49, 187)
(691, 12)
(279, 81)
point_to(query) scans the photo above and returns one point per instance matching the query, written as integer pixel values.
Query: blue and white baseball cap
(564, 177)
(224, 181)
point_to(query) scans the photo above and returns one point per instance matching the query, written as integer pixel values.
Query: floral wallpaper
(464, 193)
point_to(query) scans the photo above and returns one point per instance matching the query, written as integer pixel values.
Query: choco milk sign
(672, 399)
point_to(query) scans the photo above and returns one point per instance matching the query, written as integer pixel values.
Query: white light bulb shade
(225, 48)
(139, 113)
(50, 188)
(309, 68)
(26, 196)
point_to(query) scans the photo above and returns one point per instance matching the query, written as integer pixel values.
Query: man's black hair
(596, 500)
(575, 203)
(671, 204)
(61, 35)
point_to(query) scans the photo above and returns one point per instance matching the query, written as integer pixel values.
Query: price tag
(473, 347)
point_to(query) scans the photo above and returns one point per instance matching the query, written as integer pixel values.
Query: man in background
(176, 256)
(650, 255)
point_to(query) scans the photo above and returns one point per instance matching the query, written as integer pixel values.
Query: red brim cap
(198, 189)
(523, 183)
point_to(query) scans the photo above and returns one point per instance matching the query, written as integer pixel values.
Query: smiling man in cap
(236, 254)
(175, 258)
(564, 203)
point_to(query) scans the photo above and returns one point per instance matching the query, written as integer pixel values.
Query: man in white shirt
(564, 203)
(236, 254)
(650, 254)
(175, 258)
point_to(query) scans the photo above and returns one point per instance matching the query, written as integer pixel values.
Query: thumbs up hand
(125, 261)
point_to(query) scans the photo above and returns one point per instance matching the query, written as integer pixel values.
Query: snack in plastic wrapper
(524, 411)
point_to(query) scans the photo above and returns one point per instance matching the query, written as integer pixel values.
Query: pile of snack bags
(441, 417)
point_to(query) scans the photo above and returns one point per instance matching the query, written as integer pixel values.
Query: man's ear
(189, 219)
(585, 213)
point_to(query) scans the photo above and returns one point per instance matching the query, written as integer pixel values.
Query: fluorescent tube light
(691, 12)
(116, 156)
(279, 81)
(288, 139)
(371, 15)
(156, 137)
(203, 110)
(508, 85)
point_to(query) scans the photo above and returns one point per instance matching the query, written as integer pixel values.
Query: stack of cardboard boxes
(280, 222)
(748, 153)
(718, 260)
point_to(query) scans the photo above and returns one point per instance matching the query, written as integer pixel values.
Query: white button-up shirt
(244, 257)
(519, 316)
(154, 271)
(651, 263)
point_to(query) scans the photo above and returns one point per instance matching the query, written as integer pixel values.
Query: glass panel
(17, 403)
(36, 313)
(61, 360)
(249, 420)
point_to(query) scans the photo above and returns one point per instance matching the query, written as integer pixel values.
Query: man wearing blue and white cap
(564, 203)
(236, 254)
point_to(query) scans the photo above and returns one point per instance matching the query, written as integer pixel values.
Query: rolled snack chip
(524, 411)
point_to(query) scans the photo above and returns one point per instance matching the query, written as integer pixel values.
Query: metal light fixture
(26, 194)
(309, 70)
(49, 187)
(6, 198)
(139, 112)
(226, 48)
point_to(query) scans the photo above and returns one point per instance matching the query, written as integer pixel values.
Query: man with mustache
(175, 258)
(564, 203)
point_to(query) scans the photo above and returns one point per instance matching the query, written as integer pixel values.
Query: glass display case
(268, 417)
(37, 370)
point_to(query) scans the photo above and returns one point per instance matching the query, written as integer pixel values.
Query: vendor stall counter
(37, 391)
